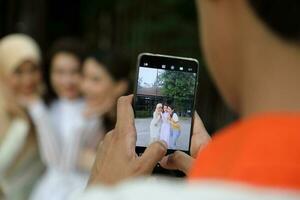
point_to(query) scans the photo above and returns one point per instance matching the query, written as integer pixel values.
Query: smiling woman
(65, 59)
(63, 143)
(22, 66)
(105, 79)
(20, 163)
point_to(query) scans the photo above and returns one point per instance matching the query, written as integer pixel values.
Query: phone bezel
(139, 149)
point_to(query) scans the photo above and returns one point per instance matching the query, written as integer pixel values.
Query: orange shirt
(262, 150)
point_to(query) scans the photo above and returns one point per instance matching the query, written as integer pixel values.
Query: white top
(171, 189)
(67, 119)
(48, 140)
(156, 119)
(61, 131)
(175, 117)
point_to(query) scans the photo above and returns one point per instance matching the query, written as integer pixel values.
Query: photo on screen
(163, 107)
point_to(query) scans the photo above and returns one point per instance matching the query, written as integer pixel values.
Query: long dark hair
(173, 108)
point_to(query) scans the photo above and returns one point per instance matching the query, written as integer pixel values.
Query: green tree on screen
(178, 86)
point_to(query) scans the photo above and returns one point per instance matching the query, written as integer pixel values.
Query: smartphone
(164, 101)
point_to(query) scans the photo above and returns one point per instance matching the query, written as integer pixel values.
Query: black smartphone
(164, 101)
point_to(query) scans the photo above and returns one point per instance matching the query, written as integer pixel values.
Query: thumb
(178, 161)
(153, 154)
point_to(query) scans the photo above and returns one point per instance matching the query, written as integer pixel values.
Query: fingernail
(164, 143)
(170, 158)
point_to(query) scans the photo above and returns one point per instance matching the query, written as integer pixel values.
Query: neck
(271, 78)
(270, 70)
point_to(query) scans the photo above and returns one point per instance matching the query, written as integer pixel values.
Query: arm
(48, 142)
(12, 143)
(156, 117)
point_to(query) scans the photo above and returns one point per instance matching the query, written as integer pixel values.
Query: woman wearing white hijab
(20, 164)
(155, 124)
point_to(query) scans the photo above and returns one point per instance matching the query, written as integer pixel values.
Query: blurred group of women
(50, 125)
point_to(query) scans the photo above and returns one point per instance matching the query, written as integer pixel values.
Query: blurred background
(134, 26)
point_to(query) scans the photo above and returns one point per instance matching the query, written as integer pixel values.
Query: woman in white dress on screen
(155, 124)
(166, 126)
(63, 176)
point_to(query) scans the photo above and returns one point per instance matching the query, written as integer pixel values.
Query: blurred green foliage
(143, 114)
(134, 26)
(178, 86)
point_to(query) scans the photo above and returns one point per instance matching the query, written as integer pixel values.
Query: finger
(125, 128)
(179, 160)
(198, 124)
(125, 115)
(100, 155)
(105, 143)
(153, 154)
(108, 138)
(166, 164)
(200, 137)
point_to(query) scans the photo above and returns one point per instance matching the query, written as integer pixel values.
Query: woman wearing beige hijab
(20, 164)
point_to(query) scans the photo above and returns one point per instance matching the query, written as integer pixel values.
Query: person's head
(20, 64)
(171, 109)
(105, 77)
(238, 33)
(66, 58)
(165, 108)
(159, 108)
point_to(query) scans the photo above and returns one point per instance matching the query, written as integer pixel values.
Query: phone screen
(164, 100)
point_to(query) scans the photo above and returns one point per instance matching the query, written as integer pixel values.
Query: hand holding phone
(166, 85)
(180, 160)
(116, 156)
(116, 159)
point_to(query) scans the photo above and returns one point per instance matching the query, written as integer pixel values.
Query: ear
(121, 88)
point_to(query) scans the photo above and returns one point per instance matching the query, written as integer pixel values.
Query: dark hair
(282, 17)
(173, 108)
(69, 45)
(115, 63)
(118, 66)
